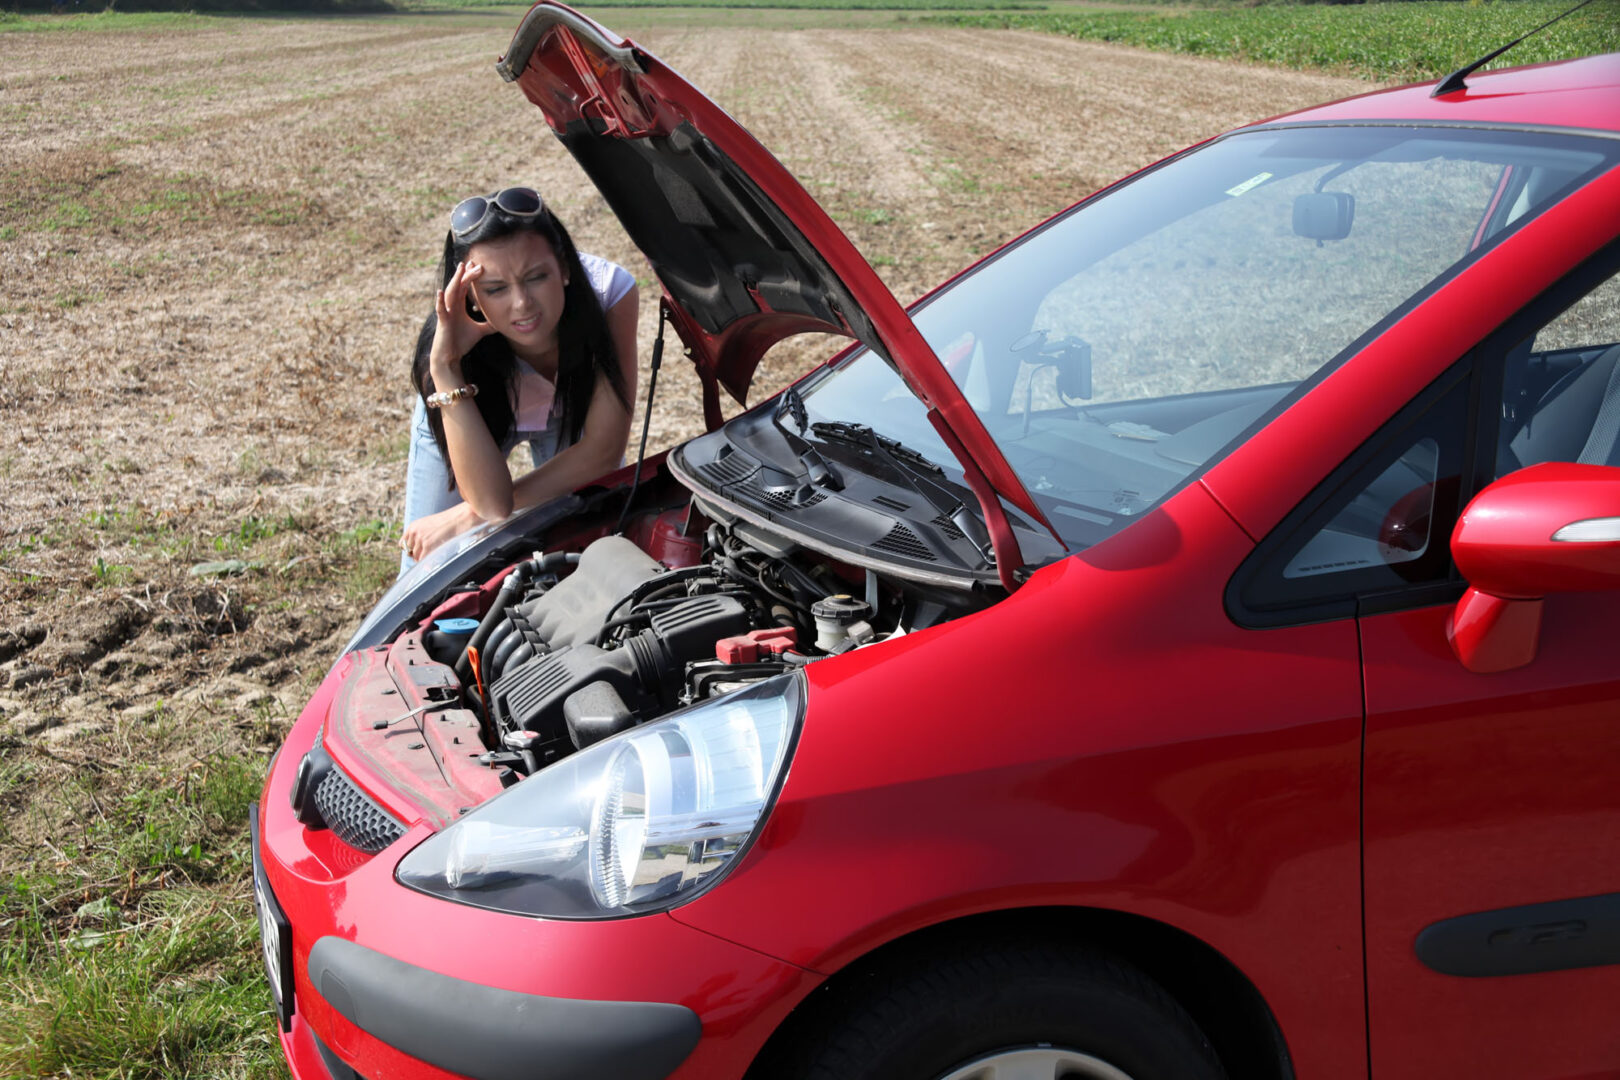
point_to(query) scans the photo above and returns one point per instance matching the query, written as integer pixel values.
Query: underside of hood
(737, 267)
(745, 255)
(743, 277)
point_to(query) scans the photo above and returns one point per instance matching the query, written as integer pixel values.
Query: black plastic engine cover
(532, 697)
(685, 633)
(573, 610)
(647, 671)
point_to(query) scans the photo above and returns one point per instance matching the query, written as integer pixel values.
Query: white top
(610, 280)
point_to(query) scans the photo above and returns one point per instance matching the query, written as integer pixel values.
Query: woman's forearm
(567, 471)
(475, 458)
(602, 444)
(477, 462)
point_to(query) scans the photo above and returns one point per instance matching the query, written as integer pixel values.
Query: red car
(1181, 646)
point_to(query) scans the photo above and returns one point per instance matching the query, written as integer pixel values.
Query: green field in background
(104, 20)
(1396, 39)
(200, 13)
(1403, 41)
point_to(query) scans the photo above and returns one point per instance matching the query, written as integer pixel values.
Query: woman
(528, 340)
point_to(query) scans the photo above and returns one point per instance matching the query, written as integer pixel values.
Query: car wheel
(1037, 1063)
(1003, 1012)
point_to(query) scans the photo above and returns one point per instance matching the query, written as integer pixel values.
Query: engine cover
(647, 670)
(572, 611)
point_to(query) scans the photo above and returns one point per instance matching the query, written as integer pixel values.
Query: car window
(1123, 348)
(1386, 523)
(1381, 527)
(1557, 383)
(1594, 319)
(1161, 310)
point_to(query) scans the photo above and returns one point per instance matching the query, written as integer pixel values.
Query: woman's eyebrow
(489, 279)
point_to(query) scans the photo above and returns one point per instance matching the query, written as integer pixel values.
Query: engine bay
(577, 647)
(596, 636)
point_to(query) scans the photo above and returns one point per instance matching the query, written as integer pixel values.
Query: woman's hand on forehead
(457, 331)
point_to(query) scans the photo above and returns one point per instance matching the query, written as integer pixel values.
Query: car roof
(1575, 94)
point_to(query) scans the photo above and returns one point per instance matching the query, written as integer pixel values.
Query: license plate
(275, 933)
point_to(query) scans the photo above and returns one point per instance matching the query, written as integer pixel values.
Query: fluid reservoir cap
(834, 615)
(456, 626)
(841, 609)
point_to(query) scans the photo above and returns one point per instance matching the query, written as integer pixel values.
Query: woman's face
(521, 290)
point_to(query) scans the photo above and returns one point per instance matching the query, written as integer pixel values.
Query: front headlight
(633, 824)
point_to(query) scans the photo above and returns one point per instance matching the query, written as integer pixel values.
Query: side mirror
(1546, 529)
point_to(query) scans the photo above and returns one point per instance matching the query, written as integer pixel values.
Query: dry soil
(216, 246)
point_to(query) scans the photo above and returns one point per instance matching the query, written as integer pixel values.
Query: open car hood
(745, 255)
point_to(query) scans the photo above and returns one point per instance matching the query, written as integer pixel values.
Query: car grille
(353, 817)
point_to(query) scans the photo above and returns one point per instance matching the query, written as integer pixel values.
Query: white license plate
(270, 936)
(275, 934)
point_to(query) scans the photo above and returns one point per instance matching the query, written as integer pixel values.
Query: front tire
(1002, 1011)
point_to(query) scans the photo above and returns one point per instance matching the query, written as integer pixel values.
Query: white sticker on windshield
(1251, 182)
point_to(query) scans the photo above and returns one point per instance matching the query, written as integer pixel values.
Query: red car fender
(1182, 769)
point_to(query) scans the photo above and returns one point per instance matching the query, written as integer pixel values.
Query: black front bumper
(489, 1034)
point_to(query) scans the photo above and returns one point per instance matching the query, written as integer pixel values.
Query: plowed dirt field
(216, 246)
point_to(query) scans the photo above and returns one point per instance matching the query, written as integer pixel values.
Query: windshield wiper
(925, 477)
(816, 468)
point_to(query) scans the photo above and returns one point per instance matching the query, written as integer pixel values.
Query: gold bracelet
(450, 397)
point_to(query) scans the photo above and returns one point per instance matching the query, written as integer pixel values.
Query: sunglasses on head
(518, 202)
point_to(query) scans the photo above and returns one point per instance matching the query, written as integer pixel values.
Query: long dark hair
(584, 345)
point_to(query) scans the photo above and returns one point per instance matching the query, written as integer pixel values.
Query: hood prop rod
(646, 419)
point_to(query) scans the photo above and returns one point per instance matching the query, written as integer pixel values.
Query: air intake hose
(514, 585)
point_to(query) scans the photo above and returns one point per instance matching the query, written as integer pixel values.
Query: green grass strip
(197, 14)
(1393, 41)
(129, 948)
(180, 995)
(104, 20)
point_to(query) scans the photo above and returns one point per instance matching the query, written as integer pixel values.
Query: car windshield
(1125, 347)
